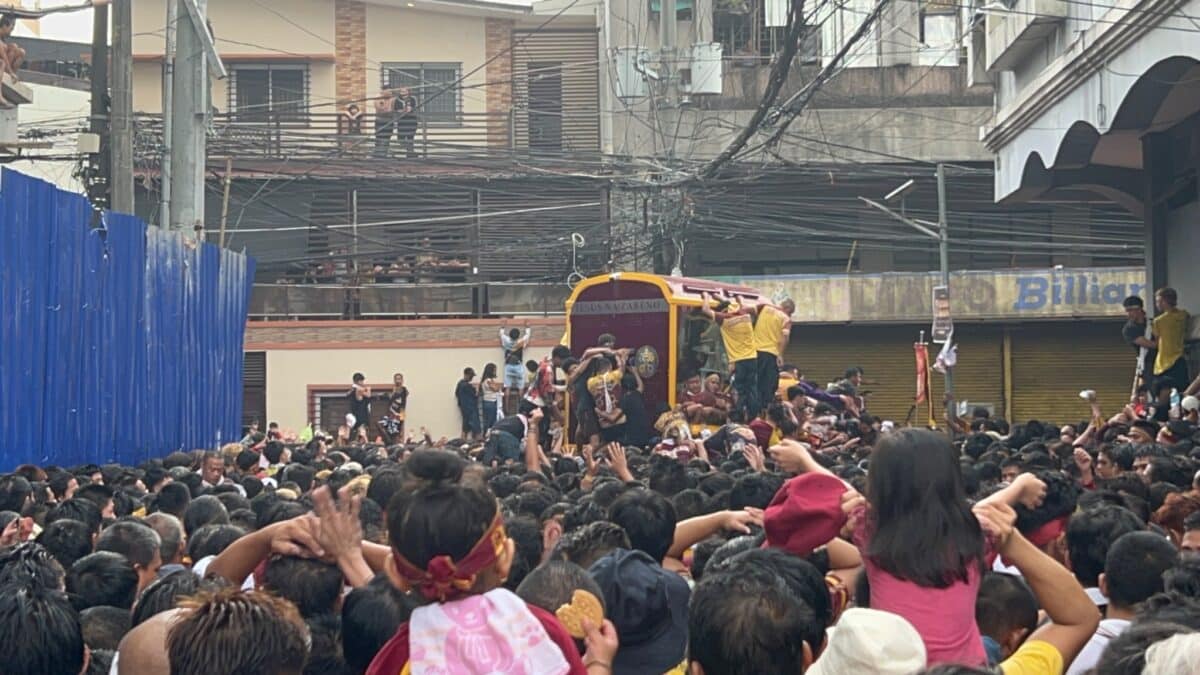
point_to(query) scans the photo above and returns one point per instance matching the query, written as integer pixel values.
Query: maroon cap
(805, 514)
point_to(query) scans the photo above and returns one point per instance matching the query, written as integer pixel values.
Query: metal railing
(309, 135)
(320, 301)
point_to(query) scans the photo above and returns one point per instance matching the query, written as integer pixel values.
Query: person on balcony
(405, 106)
(385, 121)
(12, 56)
(350, 124)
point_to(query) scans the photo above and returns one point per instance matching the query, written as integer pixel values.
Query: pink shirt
(945, 617)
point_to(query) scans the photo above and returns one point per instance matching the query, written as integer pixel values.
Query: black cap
(649, 606)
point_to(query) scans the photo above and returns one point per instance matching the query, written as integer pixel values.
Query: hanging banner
(922, 373)
(943, 323)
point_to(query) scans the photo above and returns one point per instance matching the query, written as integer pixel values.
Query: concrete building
(1100, 103)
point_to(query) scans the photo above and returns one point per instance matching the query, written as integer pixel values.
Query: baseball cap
(805, 514)
(649, 606)
(1190, 403)
(871, 642)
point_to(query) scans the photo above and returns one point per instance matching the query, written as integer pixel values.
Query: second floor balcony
(335, 143)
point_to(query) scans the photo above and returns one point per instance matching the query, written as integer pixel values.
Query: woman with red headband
(449, 548)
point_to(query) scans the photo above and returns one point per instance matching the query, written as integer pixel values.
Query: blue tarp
(118, 343)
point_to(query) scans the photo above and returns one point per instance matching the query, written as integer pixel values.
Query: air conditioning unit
(631, 72)
(706, 68)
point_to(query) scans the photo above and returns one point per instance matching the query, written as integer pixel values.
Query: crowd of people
(796, 533)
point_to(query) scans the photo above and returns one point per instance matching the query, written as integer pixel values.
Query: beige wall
(402, 34)
(252, 23)
(429, 374)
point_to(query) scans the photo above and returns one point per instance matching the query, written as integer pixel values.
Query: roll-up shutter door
(254, 388)
(555, 74)
(886, 355)
(1052, 363)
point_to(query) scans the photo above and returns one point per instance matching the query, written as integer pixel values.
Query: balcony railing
(1014, 33)
(320, 301)
(323, 136)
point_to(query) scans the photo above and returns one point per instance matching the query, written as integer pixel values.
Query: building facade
(1100, 102)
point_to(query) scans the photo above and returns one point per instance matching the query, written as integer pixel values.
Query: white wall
(429, 374)
(1183, 241)
(58, 108)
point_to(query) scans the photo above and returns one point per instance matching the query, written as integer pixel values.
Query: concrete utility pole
(168, 99)
(98, 186)
(944, 256)
(189, 122)
(667, 29)
(122, 107)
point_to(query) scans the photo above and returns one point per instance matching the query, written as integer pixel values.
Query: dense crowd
(812, 538)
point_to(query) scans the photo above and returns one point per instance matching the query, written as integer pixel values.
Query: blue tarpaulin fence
(118, 343)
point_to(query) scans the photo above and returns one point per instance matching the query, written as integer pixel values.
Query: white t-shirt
(1090, 656)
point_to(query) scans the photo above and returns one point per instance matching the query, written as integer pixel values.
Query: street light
(935, 231)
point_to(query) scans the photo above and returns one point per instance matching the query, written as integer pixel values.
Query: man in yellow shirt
(1170, 328)
(737, 333)
(771, 333)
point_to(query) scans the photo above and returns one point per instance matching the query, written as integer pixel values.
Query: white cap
(1190, 403)
(871, 642)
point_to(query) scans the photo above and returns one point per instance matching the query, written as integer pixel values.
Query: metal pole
(354, 224)
(190, 125)
(225, 199)
(99, 188)
(667, 26)
(168, 96)
(122, 107)
(944, 255)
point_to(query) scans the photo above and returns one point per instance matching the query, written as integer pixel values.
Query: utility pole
(944, 256)
(122, 107)
(189, 112)
(168, 99)
(98, 183)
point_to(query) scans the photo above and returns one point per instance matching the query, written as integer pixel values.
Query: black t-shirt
(467, 395)
(1131, 332)
(637, 422)
(398, 400)
(512, 424)
(359, 407)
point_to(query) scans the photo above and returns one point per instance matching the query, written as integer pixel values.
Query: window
(839, 21)
(435, 86)
(938, 34)
(269, 92)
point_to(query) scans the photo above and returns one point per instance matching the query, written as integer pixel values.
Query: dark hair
(204, 510)
(273, 451)
(668, 477)
(560, 352)
(443, 515)
(1004, 602)
(1133, 570)
(312, 585)
(1120, 454)
(587, 544)
(1132, 302)
(103, 578)
(1169, 294)
(803, 580)
(67, 540)
(164, 593)
(81, 510)
(30, 564)
(1062, 496)
(728, 607)
(96, 493)
(689, 503)
(1090, 534)
(754, 489)
(371, 615)
(15, 490)
(135, 540)
(526, 533)
(468, 373)
(103, 627)
(50, 638)
(489, 372)
(922, 530)
(212, 540)
(1184, 578)
(173, 498)
(649, 520)
(236, 632)
(551, 585)
(1171, 607)
(358, 377)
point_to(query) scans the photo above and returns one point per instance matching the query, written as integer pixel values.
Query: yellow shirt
(785, 383)
(1170, 327)
(738, 335)
(768, 330)
(1034, 658)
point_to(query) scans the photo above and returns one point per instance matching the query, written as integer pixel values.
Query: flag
(922, 373)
